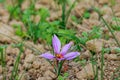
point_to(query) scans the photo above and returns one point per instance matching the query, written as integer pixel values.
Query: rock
(111, 57)
(95, 45)
(48, 73)
(0, 69)
(30, 58)
(86, 72)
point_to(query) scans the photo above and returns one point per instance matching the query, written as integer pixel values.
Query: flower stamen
(59, 56)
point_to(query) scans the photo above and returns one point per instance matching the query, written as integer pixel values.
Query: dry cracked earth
(33, 67)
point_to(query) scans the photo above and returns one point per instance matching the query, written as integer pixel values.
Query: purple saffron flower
(60, 54)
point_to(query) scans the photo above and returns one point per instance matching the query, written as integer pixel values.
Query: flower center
(59, 56)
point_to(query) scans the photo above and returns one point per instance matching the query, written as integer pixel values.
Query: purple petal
(71, 55)
(66, 48)
(47, 55)
(56, 44)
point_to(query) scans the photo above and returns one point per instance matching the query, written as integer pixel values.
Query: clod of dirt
(15, 22)
(55, 15)
(24, 76)
(94, 16)
(1, 77)
(6, 33)
(117, 35)
(116, 9)
(95, 45)
(107, 10)
(107, 18)
(103, 1)
(41, 78)
(79, 10)
(50, 74)
(12, 51)
(36, 64)
(28, 51)
(111, 56)
(27, 65)
(114, 50)
(107, 13)
(117, 14)
(86, 72)
(25, 5)
(5, 30)
(92, 22)
(29, 58)
(45, 1)
(85, 54)
(4, 15)
(38, 46)
(37, 18)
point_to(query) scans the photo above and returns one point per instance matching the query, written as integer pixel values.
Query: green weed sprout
(65, 12)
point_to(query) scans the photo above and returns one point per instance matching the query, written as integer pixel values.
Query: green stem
(60, 64)
(110, 31)
(69, 11)
(108, 26)
(63, 25)
(102, 64)
(3, 57)
(15, 68)
(52, 65)
(115, 17)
